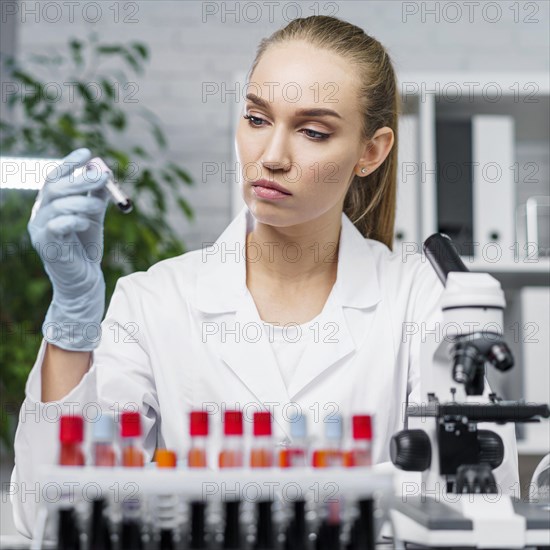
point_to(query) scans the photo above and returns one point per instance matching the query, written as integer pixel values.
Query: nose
(276, 156)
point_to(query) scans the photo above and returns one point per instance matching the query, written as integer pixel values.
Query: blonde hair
(371, 200)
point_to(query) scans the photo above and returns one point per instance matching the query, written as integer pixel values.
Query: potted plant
(81, 105)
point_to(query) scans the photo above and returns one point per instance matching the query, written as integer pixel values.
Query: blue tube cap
(104, 428)
(333, 426)
(298, 426)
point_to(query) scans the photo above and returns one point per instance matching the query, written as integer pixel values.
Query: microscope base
(471, 520)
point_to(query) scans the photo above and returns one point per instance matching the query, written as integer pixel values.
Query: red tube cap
(198, 423)
(262, 423)
(233, 423)
(71, 429)
(362, 426)
(130, 424)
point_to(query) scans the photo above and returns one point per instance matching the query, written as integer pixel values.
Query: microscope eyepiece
(443, 256)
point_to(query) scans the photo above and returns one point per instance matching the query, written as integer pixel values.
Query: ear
(376, 151)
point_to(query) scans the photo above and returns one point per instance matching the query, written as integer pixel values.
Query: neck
(295, 254)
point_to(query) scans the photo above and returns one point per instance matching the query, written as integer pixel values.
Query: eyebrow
(316, 112)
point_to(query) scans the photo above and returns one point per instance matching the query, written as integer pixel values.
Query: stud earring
(363, 170)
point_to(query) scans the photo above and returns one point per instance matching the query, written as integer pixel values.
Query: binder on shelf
(475, 185)
(454, 181)
(493, 186)
(406, 218)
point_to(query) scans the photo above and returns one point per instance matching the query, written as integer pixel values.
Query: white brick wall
(189, 49)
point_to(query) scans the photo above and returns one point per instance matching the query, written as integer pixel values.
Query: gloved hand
(66, 229)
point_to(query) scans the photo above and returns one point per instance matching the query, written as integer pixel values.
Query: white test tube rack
(209, 485)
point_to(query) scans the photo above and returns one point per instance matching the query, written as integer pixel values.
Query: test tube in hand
(123, 203)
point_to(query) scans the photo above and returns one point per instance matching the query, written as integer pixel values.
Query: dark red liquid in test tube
(261, 454)
(71, 435)
(360, 453)
(130, 432)
(198, 430)
(231, 455)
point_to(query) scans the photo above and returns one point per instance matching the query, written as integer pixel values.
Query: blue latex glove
(66, 229)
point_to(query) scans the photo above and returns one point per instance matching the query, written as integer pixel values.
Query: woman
(199, 331)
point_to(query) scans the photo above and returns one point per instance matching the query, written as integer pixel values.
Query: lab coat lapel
(252, 358)
(330, 342)
(348, 314)
(221, 289)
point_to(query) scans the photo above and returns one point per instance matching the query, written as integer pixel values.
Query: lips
(271, 185)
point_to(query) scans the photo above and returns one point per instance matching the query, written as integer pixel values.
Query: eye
(321, 135)
(252, 122)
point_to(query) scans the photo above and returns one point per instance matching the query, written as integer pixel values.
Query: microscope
(458, 502)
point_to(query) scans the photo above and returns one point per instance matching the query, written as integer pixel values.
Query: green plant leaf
(118, 120)
(42, 59)
(107, 87)
(29, 103)
(85, 91)
(75, 46)
(140, 152)
(10, 61)
(25, 78)
(133, 62)
(66, 124)
(156, 130)
(181, 174)
(121, 159)
(184, 206)
(13, 99)
(141, 49)
(109, 50)
(167, 177)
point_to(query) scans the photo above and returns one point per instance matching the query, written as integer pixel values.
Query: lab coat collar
(221, 283)
(221, 289)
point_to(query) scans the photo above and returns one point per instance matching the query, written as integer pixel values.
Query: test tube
(123, 203)
(261, 454)
(71, 436)
(198, 429)
(231, 455)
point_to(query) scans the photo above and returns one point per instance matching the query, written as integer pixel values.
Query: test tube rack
(252, 485)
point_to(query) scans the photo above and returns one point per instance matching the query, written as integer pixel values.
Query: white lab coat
(186, 335)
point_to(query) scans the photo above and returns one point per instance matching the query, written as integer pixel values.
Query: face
(314, 155)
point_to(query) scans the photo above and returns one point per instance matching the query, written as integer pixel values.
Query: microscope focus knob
(411, 450)
(491, 448)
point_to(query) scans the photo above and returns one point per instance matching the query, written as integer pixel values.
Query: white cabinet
(509, 115)
(407, 216)
(504, 172)
(535, 313)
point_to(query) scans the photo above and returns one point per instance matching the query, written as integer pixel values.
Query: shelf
(512, 274)
(473, 82)
(521, 266)
(531, 448)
